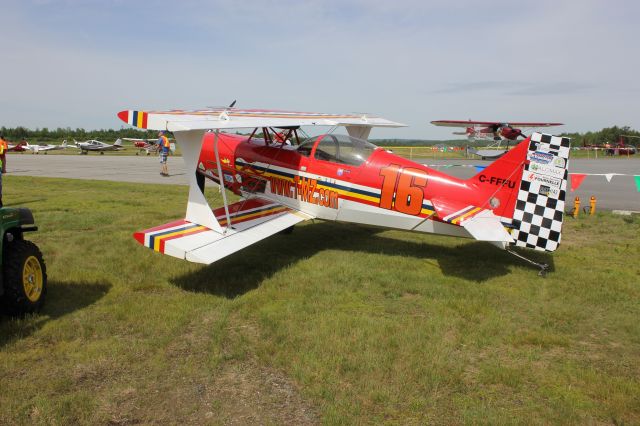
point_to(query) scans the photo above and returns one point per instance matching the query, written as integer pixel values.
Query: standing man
(163, 147)
(3, 162)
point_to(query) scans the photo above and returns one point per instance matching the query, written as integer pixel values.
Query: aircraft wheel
(24, 278)
(101, 152)
(137, 153)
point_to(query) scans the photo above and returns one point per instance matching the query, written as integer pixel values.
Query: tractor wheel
(24, 278)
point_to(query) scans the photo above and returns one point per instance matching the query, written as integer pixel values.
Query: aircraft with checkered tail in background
(284, 179)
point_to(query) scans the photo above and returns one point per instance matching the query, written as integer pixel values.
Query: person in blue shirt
(163, 149)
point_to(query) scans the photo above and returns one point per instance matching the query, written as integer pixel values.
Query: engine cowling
(510, 133)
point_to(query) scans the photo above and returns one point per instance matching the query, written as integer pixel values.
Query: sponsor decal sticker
(546, 180)
(547, 170)
(542, 147)
(541, 157)
(559, 162)
(549, 192)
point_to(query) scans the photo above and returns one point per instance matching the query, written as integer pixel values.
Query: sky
(76, 63)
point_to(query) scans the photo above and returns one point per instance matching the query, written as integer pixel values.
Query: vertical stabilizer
(539, 210)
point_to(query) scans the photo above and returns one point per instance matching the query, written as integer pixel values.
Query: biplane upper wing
(471, 123)
(251, 221)
(178, 120)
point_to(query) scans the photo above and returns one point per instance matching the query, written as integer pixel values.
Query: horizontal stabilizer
(486, 226)
(480, 223)
(251, 221)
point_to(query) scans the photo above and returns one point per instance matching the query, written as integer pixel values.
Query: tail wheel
(24, 278)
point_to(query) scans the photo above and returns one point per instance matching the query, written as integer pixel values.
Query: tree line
(608, 135)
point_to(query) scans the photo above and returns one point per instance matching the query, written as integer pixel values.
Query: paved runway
(143, 169)
(620, 194)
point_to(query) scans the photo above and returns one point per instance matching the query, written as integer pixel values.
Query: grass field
(332, 324)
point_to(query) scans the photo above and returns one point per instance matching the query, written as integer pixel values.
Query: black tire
(24, 278)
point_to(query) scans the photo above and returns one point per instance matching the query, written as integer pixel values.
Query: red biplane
(19, 147)
(495, 130)
(147, 146)
(516, 201)
(491, 130)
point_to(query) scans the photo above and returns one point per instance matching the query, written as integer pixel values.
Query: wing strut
(198, 210)
(221, 177)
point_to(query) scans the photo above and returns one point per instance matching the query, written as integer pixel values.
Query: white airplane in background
(36, 149)
(94, 145)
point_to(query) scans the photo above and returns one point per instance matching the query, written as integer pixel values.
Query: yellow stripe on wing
(157, 240)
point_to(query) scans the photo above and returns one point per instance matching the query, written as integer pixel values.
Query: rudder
(539, 211)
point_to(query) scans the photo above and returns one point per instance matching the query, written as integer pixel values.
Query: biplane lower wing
(251, 221)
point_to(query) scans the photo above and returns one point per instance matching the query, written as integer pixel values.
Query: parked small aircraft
(94, 145)
(491, 130)
(147, 145)
(36, 149)
(19, 147)
(516, 201)
(143, 145)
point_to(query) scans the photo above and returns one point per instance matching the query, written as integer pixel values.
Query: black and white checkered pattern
(537, 219)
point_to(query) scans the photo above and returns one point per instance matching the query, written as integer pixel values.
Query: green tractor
(23, 282)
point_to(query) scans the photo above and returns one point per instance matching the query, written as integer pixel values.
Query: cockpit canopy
(342, 149)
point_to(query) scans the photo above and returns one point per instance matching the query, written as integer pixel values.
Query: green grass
(332, 324)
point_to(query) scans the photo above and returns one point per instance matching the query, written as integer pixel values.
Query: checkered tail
(539, 210)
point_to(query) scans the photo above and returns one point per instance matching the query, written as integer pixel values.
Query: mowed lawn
(332, 324)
